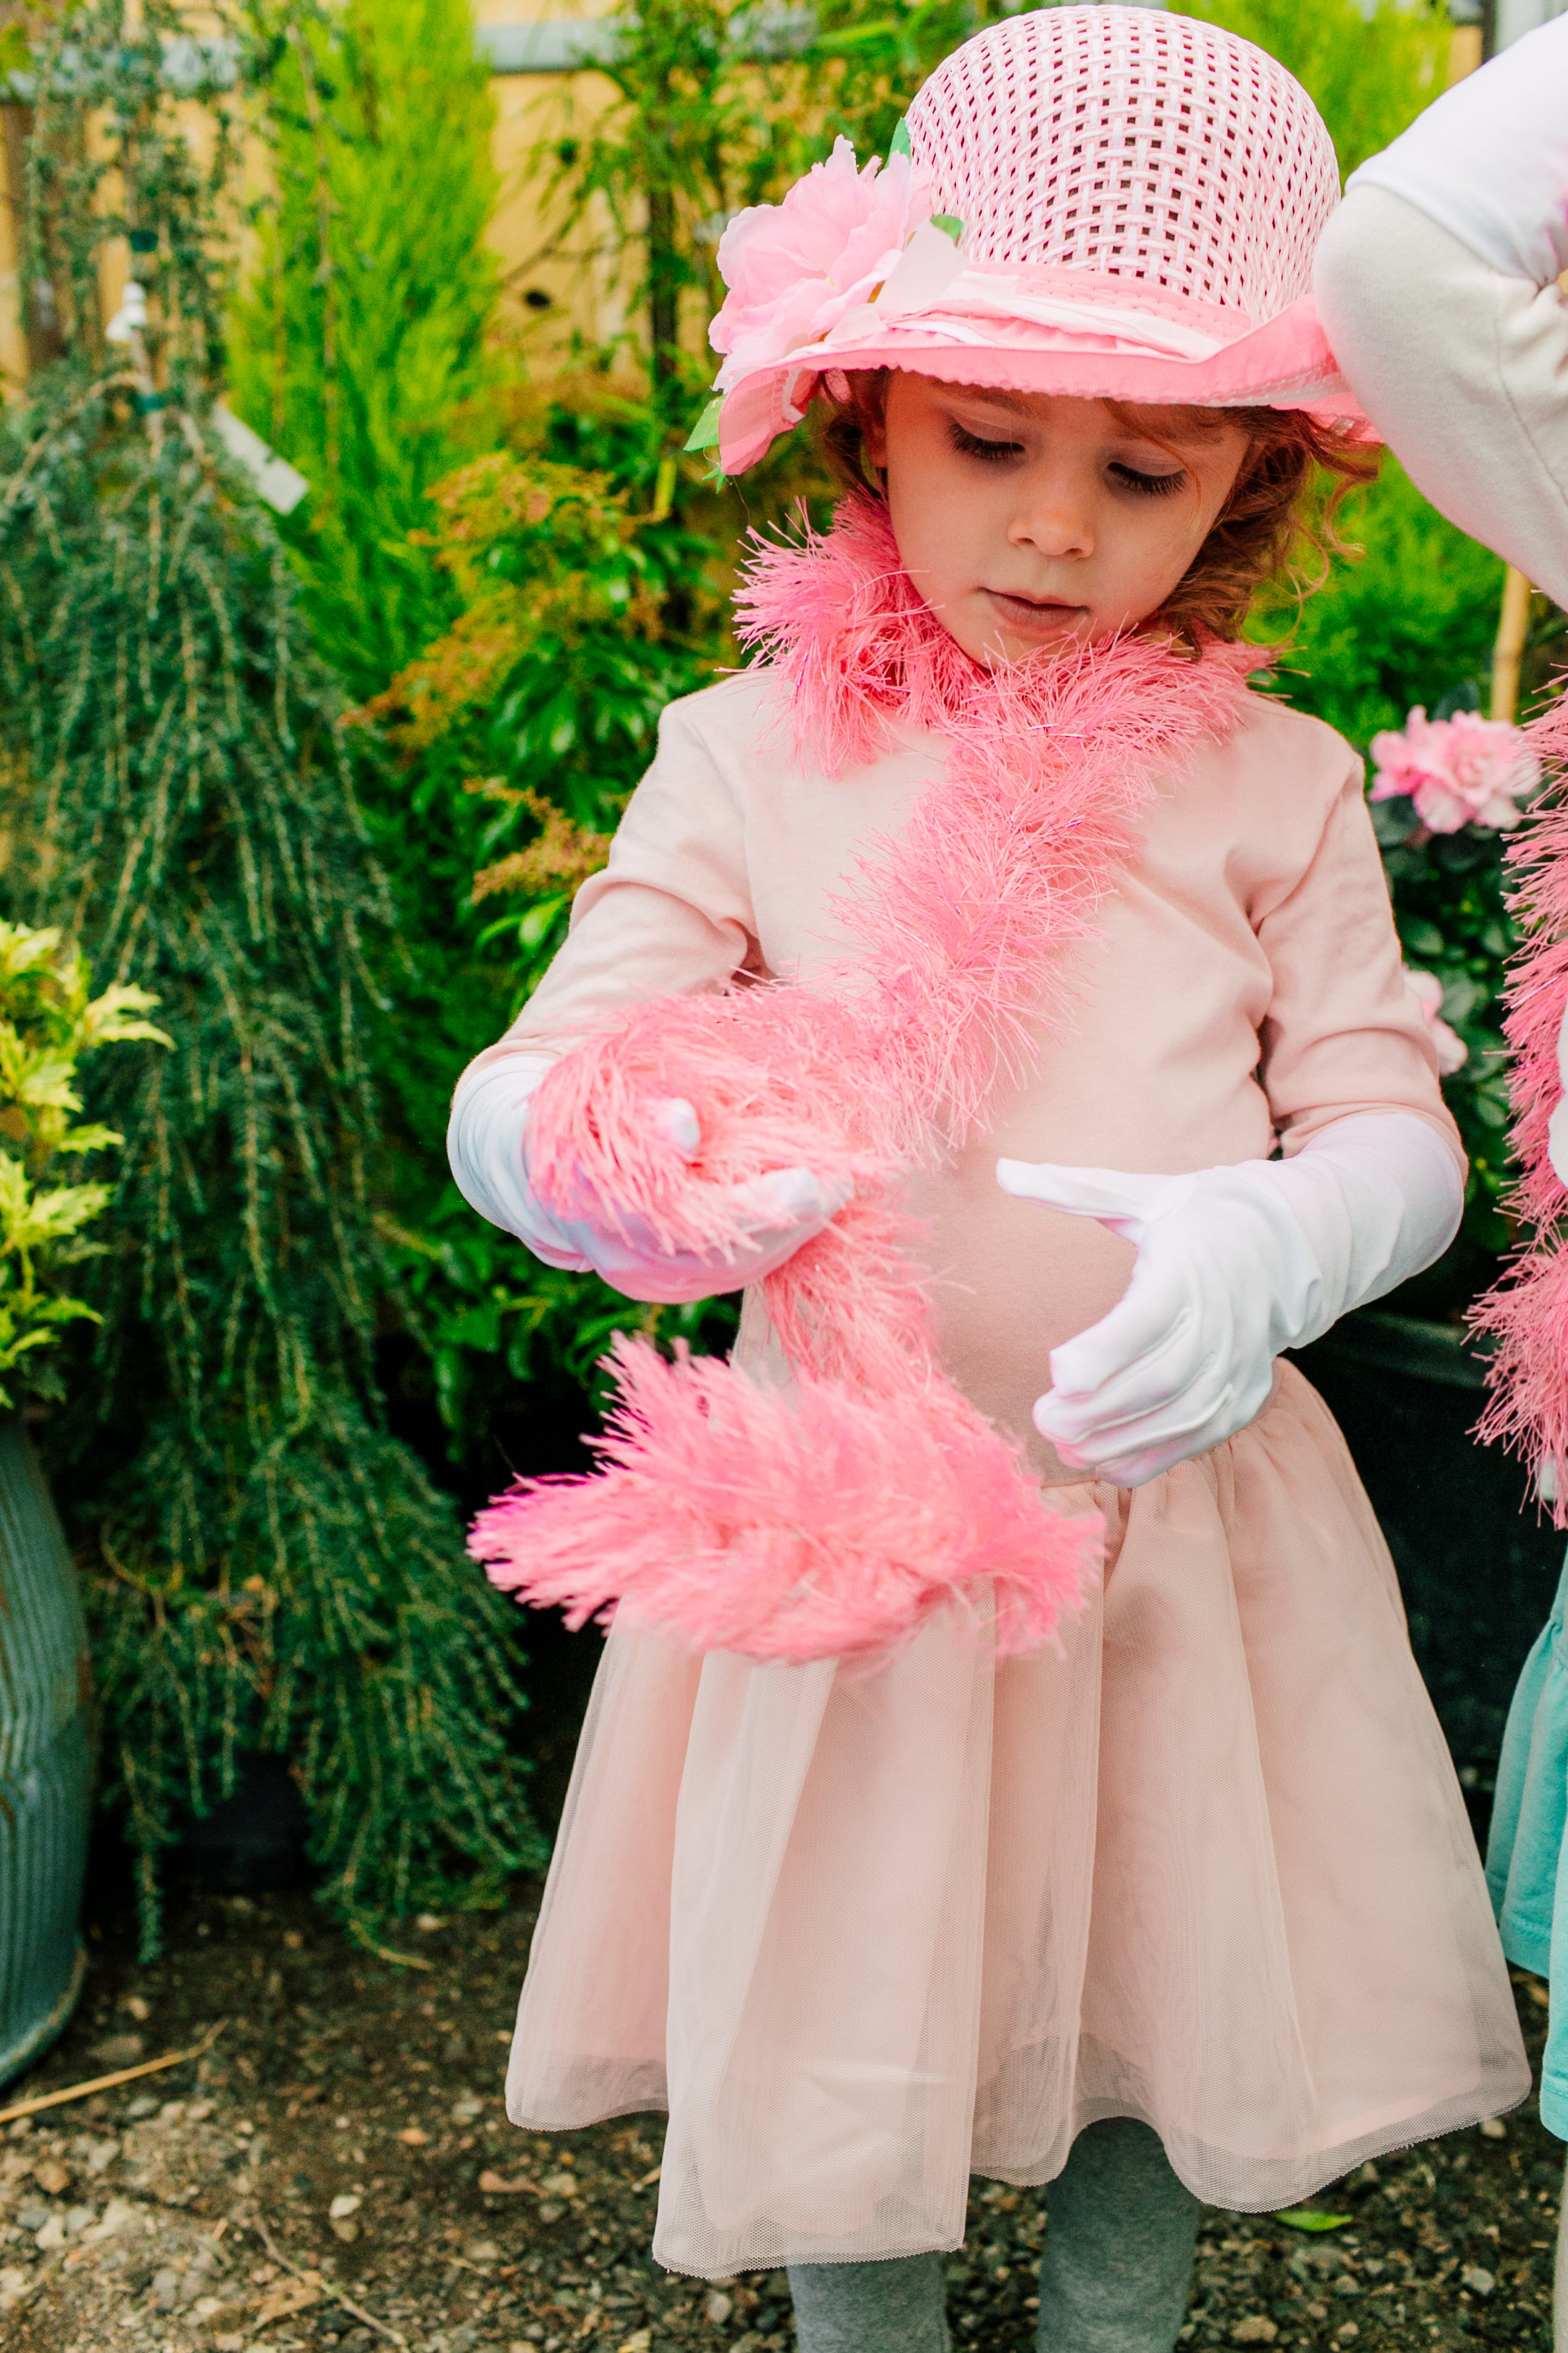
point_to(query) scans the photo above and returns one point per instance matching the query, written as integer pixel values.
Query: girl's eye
(990, 453)
(1147, 486)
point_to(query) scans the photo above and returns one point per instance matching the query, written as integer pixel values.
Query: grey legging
(1120, 2240)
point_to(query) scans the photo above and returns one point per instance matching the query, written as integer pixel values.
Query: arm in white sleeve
(1488, 159)
(670, 915)
(1437, 284)
(1233, 1264)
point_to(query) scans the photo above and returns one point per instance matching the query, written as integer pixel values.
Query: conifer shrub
(268, 1568)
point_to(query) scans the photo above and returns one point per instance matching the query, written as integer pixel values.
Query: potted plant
(49, 1021)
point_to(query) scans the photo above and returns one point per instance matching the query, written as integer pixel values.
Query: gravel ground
(337, 2171)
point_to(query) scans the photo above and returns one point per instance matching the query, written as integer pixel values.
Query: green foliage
(705, 120)
(1405, 621)
(48, 1023)
(358, 349)
(490, 1317)
(269, 1567)
(1369, 70)
(567, 560)
(1448, 895)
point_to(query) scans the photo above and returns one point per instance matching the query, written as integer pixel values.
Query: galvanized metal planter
(45, 1762)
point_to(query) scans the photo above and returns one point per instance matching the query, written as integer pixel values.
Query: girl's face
(1028, 520)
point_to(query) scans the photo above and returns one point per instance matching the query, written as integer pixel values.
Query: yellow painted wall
(13, 343)
(530, 110)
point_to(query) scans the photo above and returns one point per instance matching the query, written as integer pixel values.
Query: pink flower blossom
(842, 243)
(1461, 771)
(1452, 1051)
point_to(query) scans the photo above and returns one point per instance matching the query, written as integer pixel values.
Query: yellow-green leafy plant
(49, 1021)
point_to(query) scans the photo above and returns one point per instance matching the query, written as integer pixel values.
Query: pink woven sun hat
(1115, 203)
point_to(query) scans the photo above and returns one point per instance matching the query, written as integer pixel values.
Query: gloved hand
(487, 1146)
(1233, 1264)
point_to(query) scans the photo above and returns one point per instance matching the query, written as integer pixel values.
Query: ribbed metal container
(45, 1762)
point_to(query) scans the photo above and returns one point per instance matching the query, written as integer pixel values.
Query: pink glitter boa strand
(964, 926)
(1527, 1312)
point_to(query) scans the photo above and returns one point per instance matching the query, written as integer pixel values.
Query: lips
(1039, 610)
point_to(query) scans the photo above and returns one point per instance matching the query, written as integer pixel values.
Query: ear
(874, 437)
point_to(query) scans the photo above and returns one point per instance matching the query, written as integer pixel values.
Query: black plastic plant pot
(1478, 1561)
(253, 1839)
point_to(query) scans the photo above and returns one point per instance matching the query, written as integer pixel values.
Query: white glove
(486, 1147)
(1233, 1264)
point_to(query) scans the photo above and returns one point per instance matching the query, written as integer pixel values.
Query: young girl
(994, 901)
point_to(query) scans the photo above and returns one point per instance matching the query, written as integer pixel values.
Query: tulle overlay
(865, 1932)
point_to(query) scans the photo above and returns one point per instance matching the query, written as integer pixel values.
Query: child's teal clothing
(1524, 1852)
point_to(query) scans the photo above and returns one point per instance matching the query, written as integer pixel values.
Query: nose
(1054, 519)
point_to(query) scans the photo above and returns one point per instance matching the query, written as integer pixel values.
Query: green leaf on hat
(898, 144)
(1308, 2218)
(949, 224)
(705, 432)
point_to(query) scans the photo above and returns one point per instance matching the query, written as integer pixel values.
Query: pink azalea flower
(1452, 1051)
(1461, 771)
(843, 242)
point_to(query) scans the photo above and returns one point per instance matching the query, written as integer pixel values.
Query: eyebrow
(1015, 403)
(1202, 428)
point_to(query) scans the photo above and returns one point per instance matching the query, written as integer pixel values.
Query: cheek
(1155, 543)
(933, 508)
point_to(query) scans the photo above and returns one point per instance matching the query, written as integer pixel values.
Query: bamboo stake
(109, 2083)
(1513, 625)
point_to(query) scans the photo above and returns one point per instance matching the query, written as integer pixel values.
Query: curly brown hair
(1278, 526)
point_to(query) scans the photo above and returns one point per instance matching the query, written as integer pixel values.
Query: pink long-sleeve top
(1246, 987)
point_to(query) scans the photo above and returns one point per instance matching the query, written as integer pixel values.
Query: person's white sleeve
(1461, 368)
(1435, 282)
(1488, 159)
(1233, 1264)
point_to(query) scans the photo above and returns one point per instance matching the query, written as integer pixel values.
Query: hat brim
(1285, 363)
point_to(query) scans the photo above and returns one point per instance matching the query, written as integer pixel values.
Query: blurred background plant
(358, 344)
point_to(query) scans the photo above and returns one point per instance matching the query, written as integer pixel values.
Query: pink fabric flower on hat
(1461, 771)
(1452, 1051)
(844, 245)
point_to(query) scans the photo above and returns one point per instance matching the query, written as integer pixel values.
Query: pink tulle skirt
(866, 1934)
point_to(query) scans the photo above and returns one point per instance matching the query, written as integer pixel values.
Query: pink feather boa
(834, 1516)
(1527, 1312)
